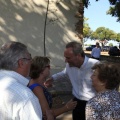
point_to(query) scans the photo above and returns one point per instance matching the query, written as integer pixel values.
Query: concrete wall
(23, 21)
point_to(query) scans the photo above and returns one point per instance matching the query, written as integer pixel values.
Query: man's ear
(20, 63)
(79, 55)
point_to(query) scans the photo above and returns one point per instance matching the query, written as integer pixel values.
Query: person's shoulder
(94, 49)
(93, 61)
(21, 91)
(94, 99)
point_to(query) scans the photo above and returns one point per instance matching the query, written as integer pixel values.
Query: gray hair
(77, 48)
(10, 53)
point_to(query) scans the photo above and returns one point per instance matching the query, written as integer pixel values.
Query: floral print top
(104, 106)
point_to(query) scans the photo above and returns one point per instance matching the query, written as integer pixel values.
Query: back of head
(77, 48)
(97, 44)
(10, 53)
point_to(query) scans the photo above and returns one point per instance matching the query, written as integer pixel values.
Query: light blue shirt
(96, 52)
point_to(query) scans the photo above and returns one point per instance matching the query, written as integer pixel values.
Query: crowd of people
(94, 85)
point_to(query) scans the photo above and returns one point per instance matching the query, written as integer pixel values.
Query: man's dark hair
(77, 48)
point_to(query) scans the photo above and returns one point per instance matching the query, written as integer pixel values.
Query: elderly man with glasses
(17, 102)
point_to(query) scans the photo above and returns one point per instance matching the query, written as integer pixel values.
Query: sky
(96, 12)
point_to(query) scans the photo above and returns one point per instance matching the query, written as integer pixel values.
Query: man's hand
(48, 83)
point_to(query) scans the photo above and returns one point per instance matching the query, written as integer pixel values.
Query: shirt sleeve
(92, 52)
(31, 110)
(60, 76)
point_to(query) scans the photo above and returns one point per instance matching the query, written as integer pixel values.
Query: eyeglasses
(27, 59)
(48, 66)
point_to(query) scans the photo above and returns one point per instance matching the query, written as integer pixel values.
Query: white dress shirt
(96, 52)
(80, 78)
(17, 101)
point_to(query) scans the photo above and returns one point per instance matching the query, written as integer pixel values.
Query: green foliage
(103, 33)
(110, 44)
(118, 37)
(86, 30)
(114, 9)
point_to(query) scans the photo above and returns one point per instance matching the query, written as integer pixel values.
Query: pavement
(65, 116)
(59, 101)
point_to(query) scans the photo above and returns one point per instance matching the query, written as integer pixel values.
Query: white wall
(23, 21)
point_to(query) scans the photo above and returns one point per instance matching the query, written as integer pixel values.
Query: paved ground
(58, 101)
(65, 116)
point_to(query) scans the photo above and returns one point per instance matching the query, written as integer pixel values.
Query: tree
(114, 11)
(118, 37)
(86, 30)
(104, 35)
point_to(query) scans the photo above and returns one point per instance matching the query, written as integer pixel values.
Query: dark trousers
(79, 111)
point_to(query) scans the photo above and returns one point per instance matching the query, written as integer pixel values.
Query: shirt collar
(19, 78)
(84, 63)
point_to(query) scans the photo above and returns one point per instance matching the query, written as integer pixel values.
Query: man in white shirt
(96, 52)
(78, 70)
(17, 102)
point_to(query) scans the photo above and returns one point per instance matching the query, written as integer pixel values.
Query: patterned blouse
(104, 106)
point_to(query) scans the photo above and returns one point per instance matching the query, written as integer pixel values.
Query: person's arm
(70, 105)
(38, 91)
(58, 76)
(48, 83)
(49, 114)
(92, 52)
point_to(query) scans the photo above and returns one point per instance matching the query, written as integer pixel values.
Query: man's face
(71, 58)
(96, 82)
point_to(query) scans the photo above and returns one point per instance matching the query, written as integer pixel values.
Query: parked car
(90, 47)
(114, 51)
(105, 48)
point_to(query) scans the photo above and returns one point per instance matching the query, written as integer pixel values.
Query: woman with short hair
(106, 104)
(39, 72)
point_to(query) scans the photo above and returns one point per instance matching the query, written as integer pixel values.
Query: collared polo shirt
(17, 101)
